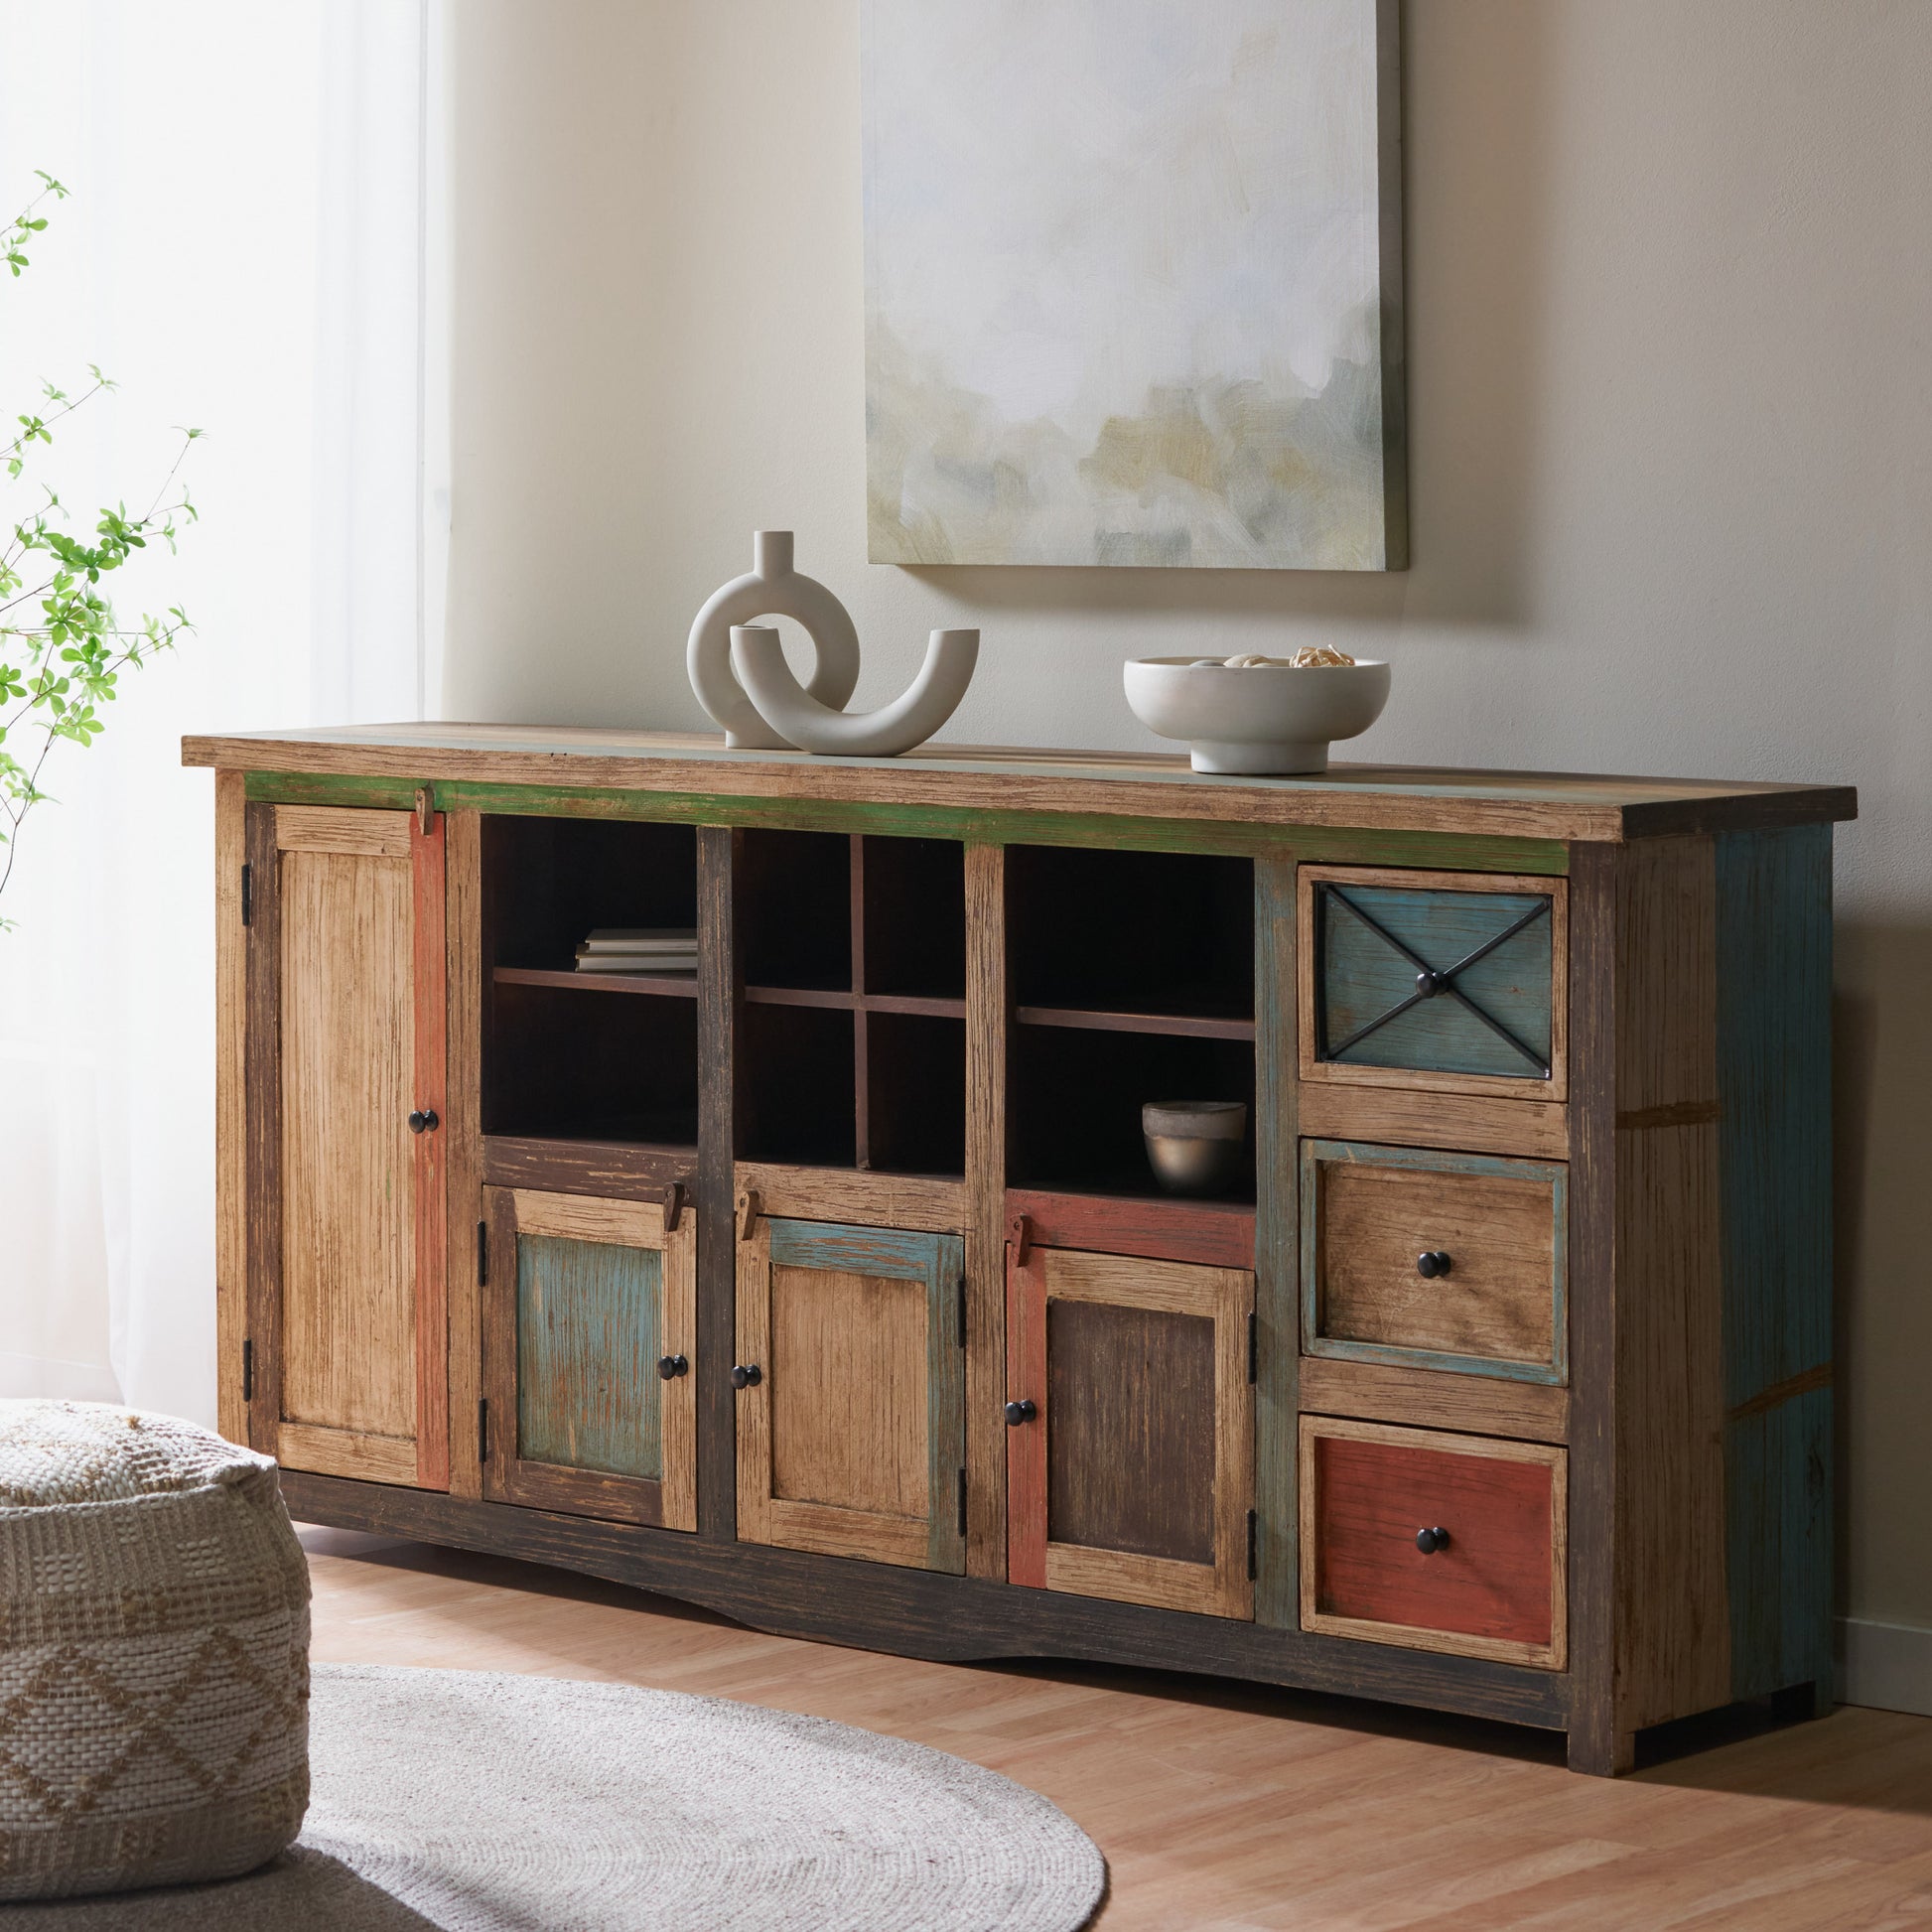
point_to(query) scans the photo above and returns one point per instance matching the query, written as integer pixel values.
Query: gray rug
(472, 1801)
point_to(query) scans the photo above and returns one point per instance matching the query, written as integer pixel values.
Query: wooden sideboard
(832, 1289)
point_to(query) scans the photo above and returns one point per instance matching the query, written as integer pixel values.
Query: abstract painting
(1133, 283)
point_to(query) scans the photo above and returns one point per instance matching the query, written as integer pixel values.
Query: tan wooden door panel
(851, 1435)
(346, 999)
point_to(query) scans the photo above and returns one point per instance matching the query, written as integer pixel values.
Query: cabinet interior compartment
(795, 1098)
(566, 1057)
(1074, 1099)
(913, 912)
(915, 1094)
(1134, 932)
(567, 1064)
(793, 901)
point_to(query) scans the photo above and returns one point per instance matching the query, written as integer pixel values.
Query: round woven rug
(472, 1802)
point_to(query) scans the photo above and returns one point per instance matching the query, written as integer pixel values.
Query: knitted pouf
(154, 1654)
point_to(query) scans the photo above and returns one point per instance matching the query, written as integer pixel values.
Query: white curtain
(254, 246)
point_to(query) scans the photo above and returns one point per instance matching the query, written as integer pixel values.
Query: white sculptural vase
(758, 658)
(737, 668)
(772, 588)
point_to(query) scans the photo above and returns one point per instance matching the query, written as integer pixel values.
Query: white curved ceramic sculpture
(771, 589)
(758, 657)
(737, 668)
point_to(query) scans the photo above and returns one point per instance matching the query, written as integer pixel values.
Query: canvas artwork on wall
(1133, 283)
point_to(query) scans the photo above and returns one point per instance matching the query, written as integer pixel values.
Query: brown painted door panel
(1424, 1258)
(347, 1292)
(1493, 1584)
(1132, 1475)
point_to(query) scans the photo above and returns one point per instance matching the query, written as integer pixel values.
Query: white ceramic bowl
(1262, 719)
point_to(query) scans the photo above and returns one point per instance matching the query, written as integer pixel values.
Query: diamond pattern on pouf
(154, 1630)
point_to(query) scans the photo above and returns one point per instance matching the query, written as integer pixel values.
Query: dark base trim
(914, 1613)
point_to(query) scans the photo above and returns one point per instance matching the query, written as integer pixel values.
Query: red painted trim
(1215, 1234)
(1027, 1443)
(1494, 1580)
(432, 1172)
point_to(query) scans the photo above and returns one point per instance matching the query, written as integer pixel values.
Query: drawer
(1448, 980)
(1422, 1259)
(1494, 1589)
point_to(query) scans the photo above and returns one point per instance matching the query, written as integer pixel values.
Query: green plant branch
(61, 625)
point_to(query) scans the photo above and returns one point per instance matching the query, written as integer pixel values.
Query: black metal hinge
(483, 1430)
(248, 896)
(247, 1371)
(962, 1311)
(482, 1258)
(1252, 1347)
(1253, 1532)
(962, 1502)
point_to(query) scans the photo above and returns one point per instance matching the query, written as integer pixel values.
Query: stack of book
(658, 949)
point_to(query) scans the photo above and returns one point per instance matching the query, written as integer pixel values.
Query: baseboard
(1886, 1665)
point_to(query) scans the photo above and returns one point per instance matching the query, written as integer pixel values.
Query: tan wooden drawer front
(1493, 1584)
(1424, 1258)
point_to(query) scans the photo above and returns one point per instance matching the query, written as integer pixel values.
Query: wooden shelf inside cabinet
(1184, 1026)
(935, 1007)
(665, 986)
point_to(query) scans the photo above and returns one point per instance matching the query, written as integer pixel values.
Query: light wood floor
(1225, 1805)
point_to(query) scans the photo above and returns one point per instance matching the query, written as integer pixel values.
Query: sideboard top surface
(1006, 779)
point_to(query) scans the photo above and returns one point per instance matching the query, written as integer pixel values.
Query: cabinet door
(852, 1438)
(589, 1329)
(1130, 1459)
(347, 1344)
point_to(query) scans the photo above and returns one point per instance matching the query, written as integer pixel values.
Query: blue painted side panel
(1362, 976)
(587, 1382)
(1774, 1076)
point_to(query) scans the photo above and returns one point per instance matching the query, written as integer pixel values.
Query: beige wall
(1669, 337)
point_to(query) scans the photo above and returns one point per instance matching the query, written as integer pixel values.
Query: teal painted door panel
(587, 1349)
(1363, 975)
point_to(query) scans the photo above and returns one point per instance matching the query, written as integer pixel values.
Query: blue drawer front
(1370, 941)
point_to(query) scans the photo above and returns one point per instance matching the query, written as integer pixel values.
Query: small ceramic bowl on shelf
(1195, 1147)
(1257, 717)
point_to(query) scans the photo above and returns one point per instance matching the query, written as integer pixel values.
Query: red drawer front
(1494, 1580)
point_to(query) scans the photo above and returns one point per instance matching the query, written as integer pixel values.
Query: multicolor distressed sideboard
(831, 1287)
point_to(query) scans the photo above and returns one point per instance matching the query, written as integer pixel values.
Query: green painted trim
(1555, 1373)
(1434, 851)
(320, 788)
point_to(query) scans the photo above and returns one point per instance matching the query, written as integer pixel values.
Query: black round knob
(671, 1366)
(1429, 984)
(1430, 1541)
(744, 1374)
(1433, 1263)
(1018, 1411)
(422, 1120)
